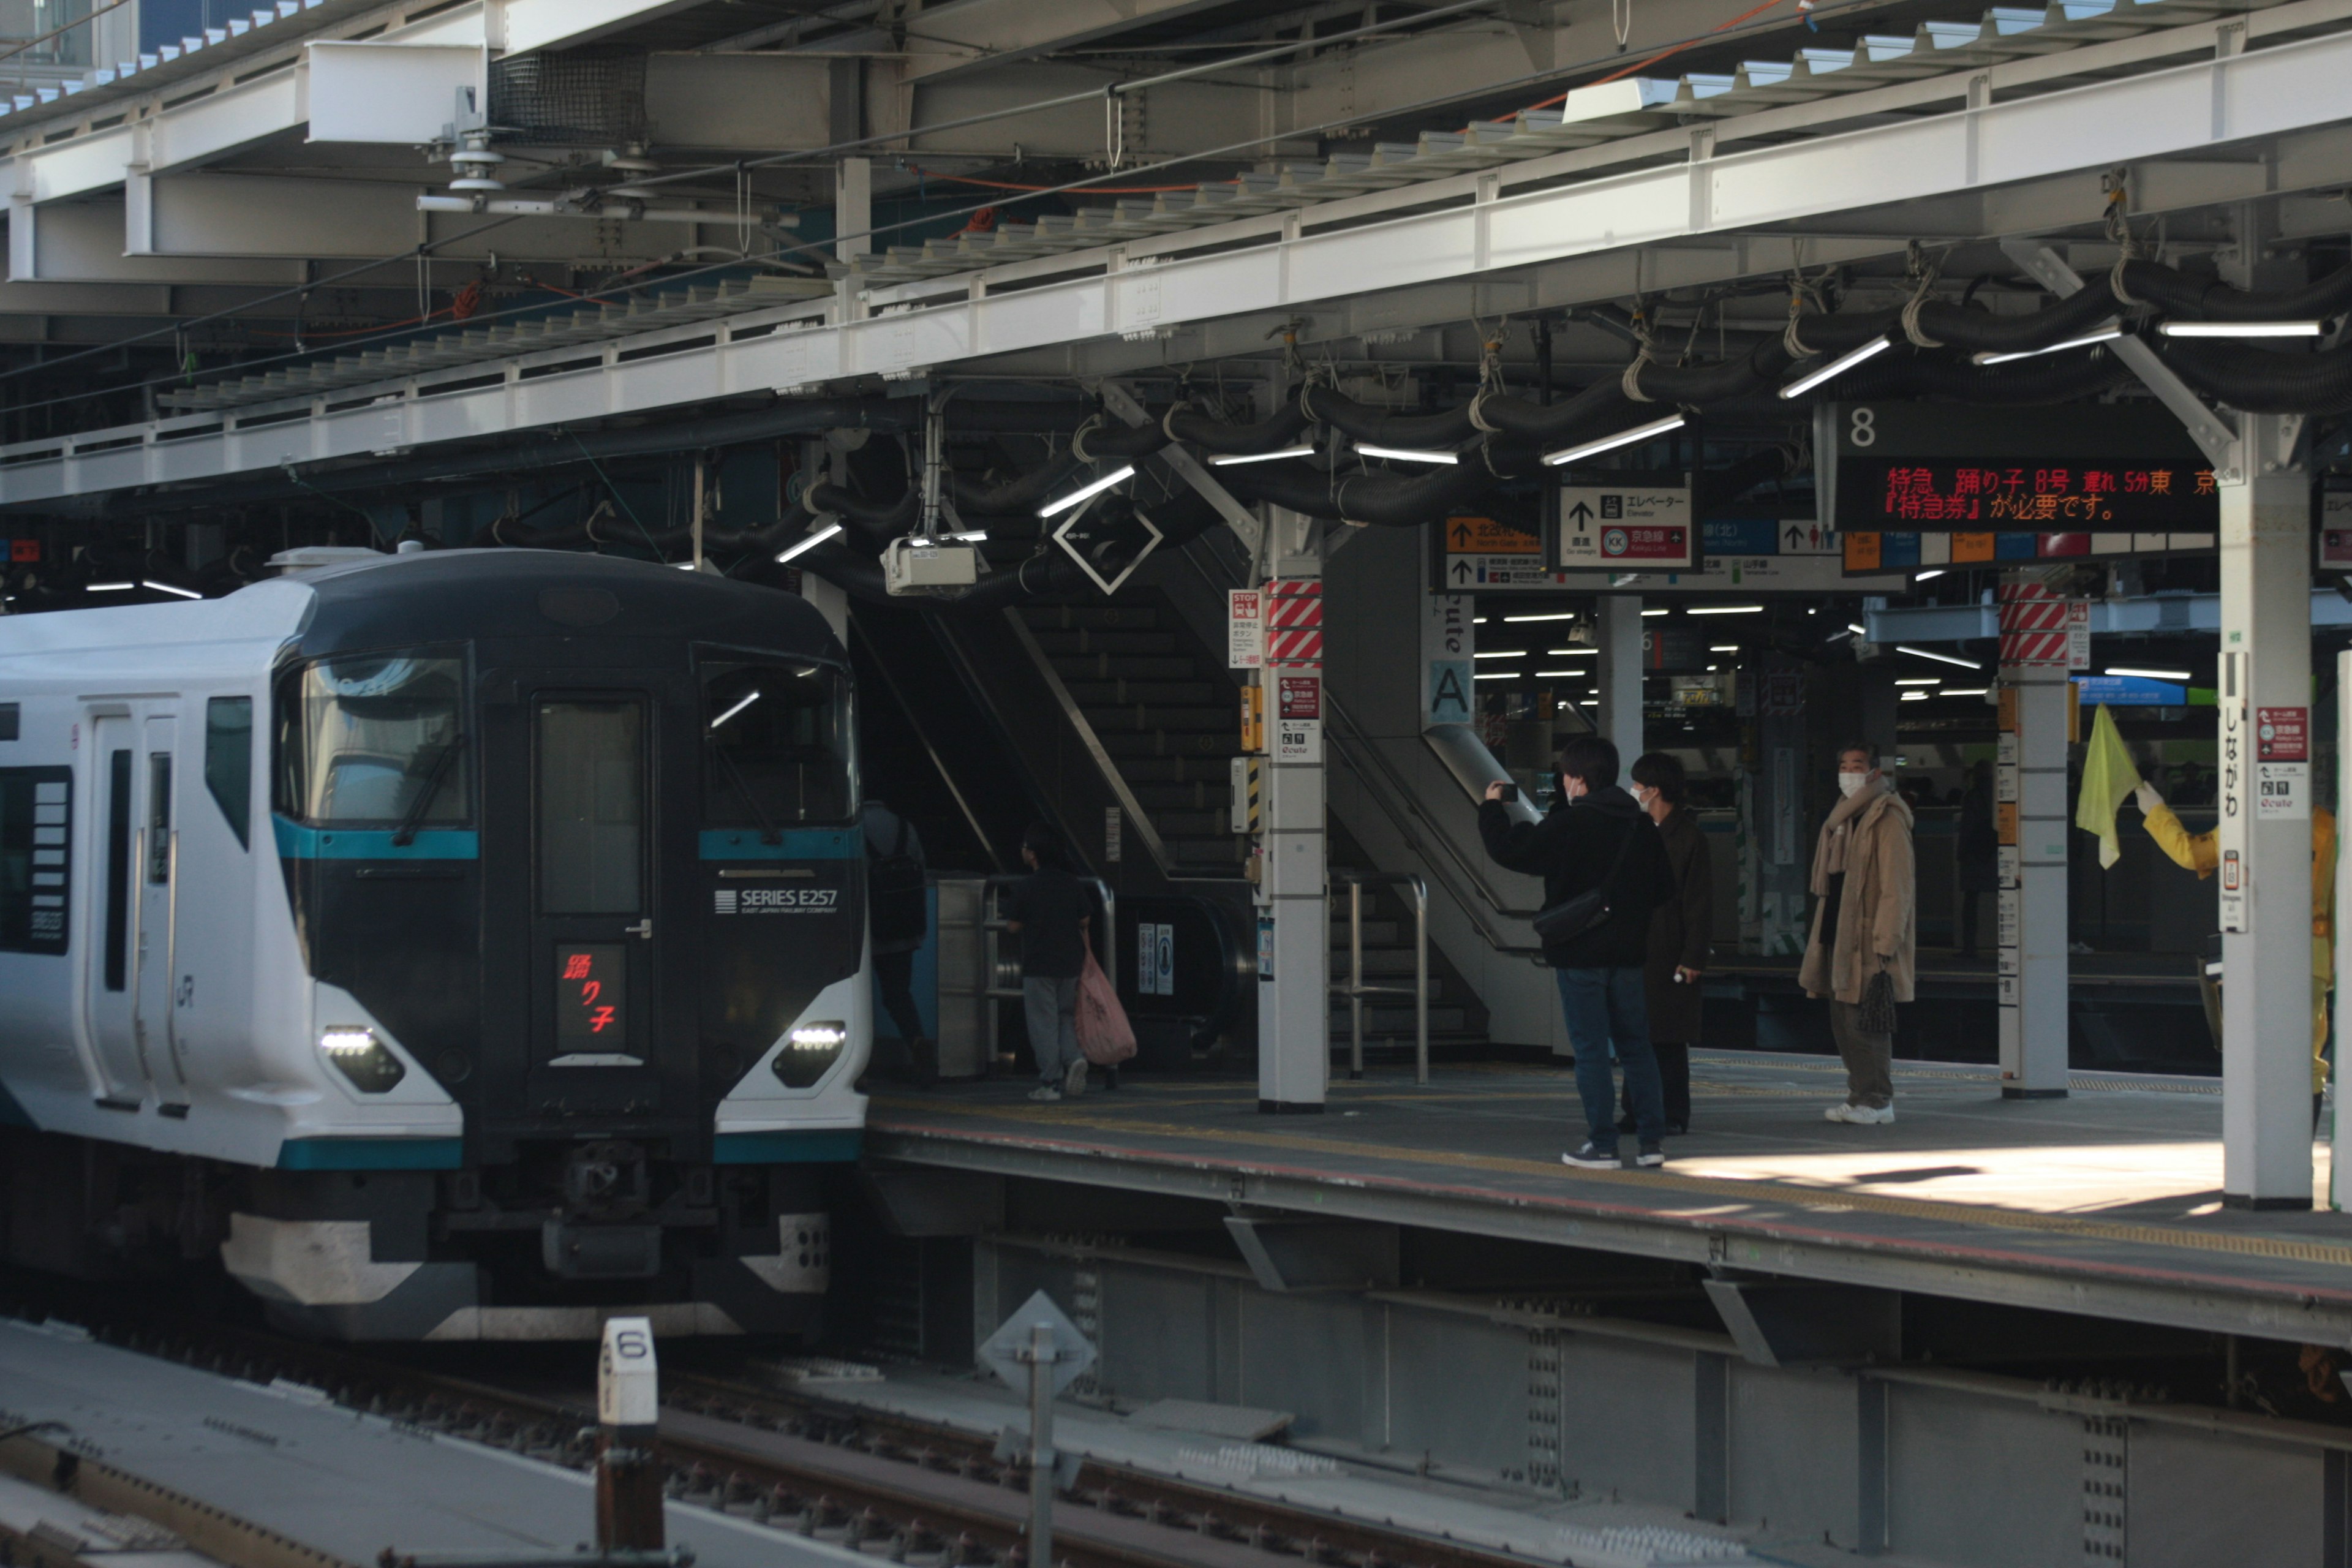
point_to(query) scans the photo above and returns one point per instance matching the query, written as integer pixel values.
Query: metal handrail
(1355, 989)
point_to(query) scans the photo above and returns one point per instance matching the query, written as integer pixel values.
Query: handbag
(1105, 1037)
(1573, 916)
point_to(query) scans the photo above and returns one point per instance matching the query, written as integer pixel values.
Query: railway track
(886, 1485)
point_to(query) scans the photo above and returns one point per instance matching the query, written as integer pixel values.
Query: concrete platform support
(1293, 996)
(2031, 917)
(1617, 628)
(2265, 820)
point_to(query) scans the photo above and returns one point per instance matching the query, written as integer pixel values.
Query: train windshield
(776, 743)
(375, 738)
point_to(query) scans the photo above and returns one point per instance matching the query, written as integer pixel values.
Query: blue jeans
(1606, 1007)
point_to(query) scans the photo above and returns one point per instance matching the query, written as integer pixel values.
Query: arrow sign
(1007, 1351)
(1462, 571)
(1795, 536)
(1462, 534)
(1581, 514)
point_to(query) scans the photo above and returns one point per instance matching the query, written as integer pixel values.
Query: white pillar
(1293, 993)
(1617, 627)
(853, 207)
(2265, 848)
(2032, 919)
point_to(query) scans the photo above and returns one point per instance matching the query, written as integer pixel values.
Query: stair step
(1193, 824)
(1059, 645)
(1140, 719)
(1124, 666)
(1153, 694)
(1171, 771)
(1162, 743)
(1090, 618)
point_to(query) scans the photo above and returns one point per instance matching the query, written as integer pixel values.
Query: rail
(1355, 989)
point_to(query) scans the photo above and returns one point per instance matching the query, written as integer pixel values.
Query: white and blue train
(464, 945)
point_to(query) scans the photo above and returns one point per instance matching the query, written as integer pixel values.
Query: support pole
(1618, 630)
(628, 1407)
(1041, 1447)
(1293, 993)
(2032, 895)
(852, 208)
(2265, 821)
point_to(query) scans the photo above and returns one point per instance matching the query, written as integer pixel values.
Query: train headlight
(808, 1051)
(360, 1056)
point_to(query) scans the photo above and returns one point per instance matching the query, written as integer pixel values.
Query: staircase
(1165, 711)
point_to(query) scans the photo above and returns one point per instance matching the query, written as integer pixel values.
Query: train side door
(594, 898)
(115, 825)
(154, 1015)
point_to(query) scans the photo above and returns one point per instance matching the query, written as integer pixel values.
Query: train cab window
(374, 738)
(35, 850)
(228, 762)
(776, 743)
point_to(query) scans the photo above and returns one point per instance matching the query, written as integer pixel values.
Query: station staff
(2201, 853)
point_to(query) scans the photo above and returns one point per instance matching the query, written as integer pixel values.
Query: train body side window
(228, 762)
(36, 857)
(117, 867)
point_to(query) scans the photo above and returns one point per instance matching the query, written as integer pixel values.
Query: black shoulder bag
(1572, 916)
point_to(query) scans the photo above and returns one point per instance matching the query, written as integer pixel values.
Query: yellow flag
(2108, 776)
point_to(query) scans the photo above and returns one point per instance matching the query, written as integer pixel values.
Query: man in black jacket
(1596, 836)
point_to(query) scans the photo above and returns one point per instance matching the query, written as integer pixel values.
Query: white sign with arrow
(1636, 528)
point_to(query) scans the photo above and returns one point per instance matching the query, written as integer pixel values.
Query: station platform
(2106, 1203)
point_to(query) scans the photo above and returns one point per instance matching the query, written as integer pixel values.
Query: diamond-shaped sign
(1096, 542)
(1008, 1350)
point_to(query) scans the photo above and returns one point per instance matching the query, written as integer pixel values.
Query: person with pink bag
(1050, 911)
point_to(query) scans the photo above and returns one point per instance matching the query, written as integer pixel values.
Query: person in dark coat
(1594, 836)
(1679, 933)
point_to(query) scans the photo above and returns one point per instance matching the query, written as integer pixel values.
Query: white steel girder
(2278, 97)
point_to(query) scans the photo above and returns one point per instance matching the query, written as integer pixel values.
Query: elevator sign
(1648, 529)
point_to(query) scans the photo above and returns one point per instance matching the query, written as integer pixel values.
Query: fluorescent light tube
(1939, 658)
(2149, 674)
(811, 543)
(748, 698)
(1914, 697)
(1118, 476)
(1723, 609)
(1610, 443)
(109, 587)
(1921, 681)
(1552, 616)
(2106, 334)
(1571, 653)
(171, 588)
(1405, 454)
(1512, 653)
(1723, 648)
(1234, 459)
(1838, 367)
(969, 536)
(2240, 329)
(1499, 674)
(1923, 576)
(1657, 612)
(1961, 692)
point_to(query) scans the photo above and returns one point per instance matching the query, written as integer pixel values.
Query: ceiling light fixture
(2241, 329)
(1610, 443)
(2147, 674)
(811, 543)
(1939, 658)
(2106, 334)
(1234, 459)
(1405, 454)
(1836, 367)
(1117, 477)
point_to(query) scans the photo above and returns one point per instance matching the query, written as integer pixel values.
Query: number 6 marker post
(628, 1407)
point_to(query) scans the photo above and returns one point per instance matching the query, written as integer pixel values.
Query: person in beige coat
(1864, 925)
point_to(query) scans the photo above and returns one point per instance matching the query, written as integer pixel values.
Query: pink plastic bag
(1105, 1037)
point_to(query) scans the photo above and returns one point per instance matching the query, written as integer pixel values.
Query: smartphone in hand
(1510, 793)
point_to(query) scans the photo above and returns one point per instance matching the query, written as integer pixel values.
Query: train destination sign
(1920, 468)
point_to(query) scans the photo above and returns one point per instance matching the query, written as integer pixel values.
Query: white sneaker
(1074, 1080)
(1044, 1091)
(1860, 1115)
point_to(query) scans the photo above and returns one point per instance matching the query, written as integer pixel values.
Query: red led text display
(2046, 497)
(591, 995)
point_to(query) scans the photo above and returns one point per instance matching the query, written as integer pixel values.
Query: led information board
(591, 995)
(1918, 467)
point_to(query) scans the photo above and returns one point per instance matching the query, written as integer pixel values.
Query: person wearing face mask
(1602, 858)
(1680, 928)
(1862, 952)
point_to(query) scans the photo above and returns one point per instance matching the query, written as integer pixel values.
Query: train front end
(571, 851)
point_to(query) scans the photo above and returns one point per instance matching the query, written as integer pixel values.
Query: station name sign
(1929, 468)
